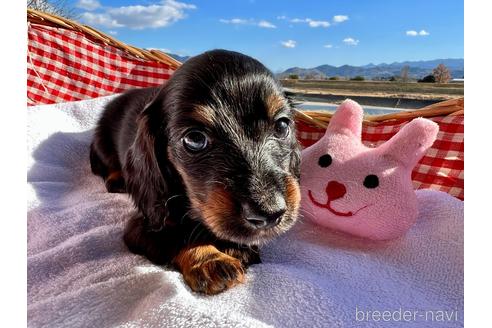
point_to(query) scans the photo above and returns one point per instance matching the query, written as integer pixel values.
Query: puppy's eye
(282, 128)
(195, 140)
(325, 160)
(371, 181)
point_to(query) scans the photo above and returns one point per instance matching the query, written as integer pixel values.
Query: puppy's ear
(295, 157)
(290, 96)
(295, 160)
(151, 181)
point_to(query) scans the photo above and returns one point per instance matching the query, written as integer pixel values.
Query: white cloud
(283, 17)
(236, 21)
(160, 49)
(88, 4)
(266, 24)
(351, 41)
(340, 18)
(415, 33)
(289, 43)
(328, 46)
(297, 20)
(113, 32)
(241, 21)
(182, 53)
(315, 23)
(165, 50)
(140, 17)
(311, 22)
(100, 19)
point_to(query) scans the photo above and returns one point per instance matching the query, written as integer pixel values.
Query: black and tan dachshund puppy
(211, 161)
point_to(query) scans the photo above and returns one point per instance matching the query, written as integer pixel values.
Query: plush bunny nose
(335, 190)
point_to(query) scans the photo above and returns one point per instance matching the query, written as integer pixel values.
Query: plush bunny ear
(347, 119)
(411, 142)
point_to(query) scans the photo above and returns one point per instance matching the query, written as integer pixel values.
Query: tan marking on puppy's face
(292, 194)
(215, 209)
(203, 114)
(274, 103)
(218, 206)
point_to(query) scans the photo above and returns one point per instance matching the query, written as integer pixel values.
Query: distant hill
(178, 57)
(417, 69)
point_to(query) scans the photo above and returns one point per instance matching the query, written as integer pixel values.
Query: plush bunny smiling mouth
(334, 190)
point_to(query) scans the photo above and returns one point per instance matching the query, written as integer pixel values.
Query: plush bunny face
(360, 190)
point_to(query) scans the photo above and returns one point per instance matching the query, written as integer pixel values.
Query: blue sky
(288, 33)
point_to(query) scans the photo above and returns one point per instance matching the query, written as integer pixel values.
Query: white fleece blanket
(81, 275)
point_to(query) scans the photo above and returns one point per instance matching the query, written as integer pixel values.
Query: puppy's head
(223, 124)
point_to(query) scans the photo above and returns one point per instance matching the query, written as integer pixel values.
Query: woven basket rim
(42, 18)
(453, 107)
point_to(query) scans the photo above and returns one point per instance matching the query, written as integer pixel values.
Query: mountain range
(417, 69)
(179, 58)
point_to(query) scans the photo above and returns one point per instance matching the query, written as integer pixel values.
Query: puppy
(211, 161)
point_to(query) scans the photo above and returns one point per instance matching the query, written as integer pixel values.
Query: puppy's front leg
(208, 270)
(248, 255)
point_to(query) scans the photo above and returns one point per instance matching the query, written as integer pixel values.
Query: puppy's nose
(260, 219)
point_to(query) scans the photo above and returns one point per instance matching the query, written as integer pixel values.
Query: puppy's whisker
(302, 217)
(302, 210)
(200, 232)
(219, 182)
(253, 250)
(172, 197)
(184, 215)
(198, 225)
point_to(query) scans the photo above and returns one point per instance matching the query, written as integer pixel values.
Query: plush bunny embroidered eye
(363, 191)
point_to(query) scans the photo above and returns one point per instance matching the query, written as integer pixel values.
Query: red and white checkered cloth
(64, 65)
(442, 166)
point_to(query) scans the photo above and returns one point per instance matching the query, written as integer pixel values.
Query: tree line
(440, 74)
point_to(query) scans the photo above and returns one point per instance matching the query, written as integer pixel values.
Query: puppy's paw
(209, 271)
(215, 276)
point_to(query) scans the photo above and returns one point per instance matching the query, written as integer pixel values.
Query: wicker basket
(318, 119)
(37, 17)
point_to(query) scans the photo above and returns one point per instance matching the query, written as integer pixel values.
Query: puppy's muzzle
(262, 216)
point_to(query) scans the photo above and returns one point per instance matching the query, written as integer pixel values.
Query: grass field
(410, 90)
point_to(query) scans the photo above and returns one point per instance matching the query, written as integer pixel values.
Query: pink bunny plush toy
(363, 191)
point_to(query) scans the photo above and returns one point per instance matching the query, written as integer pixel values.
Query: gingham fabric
(442, 166)
(65, 65)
